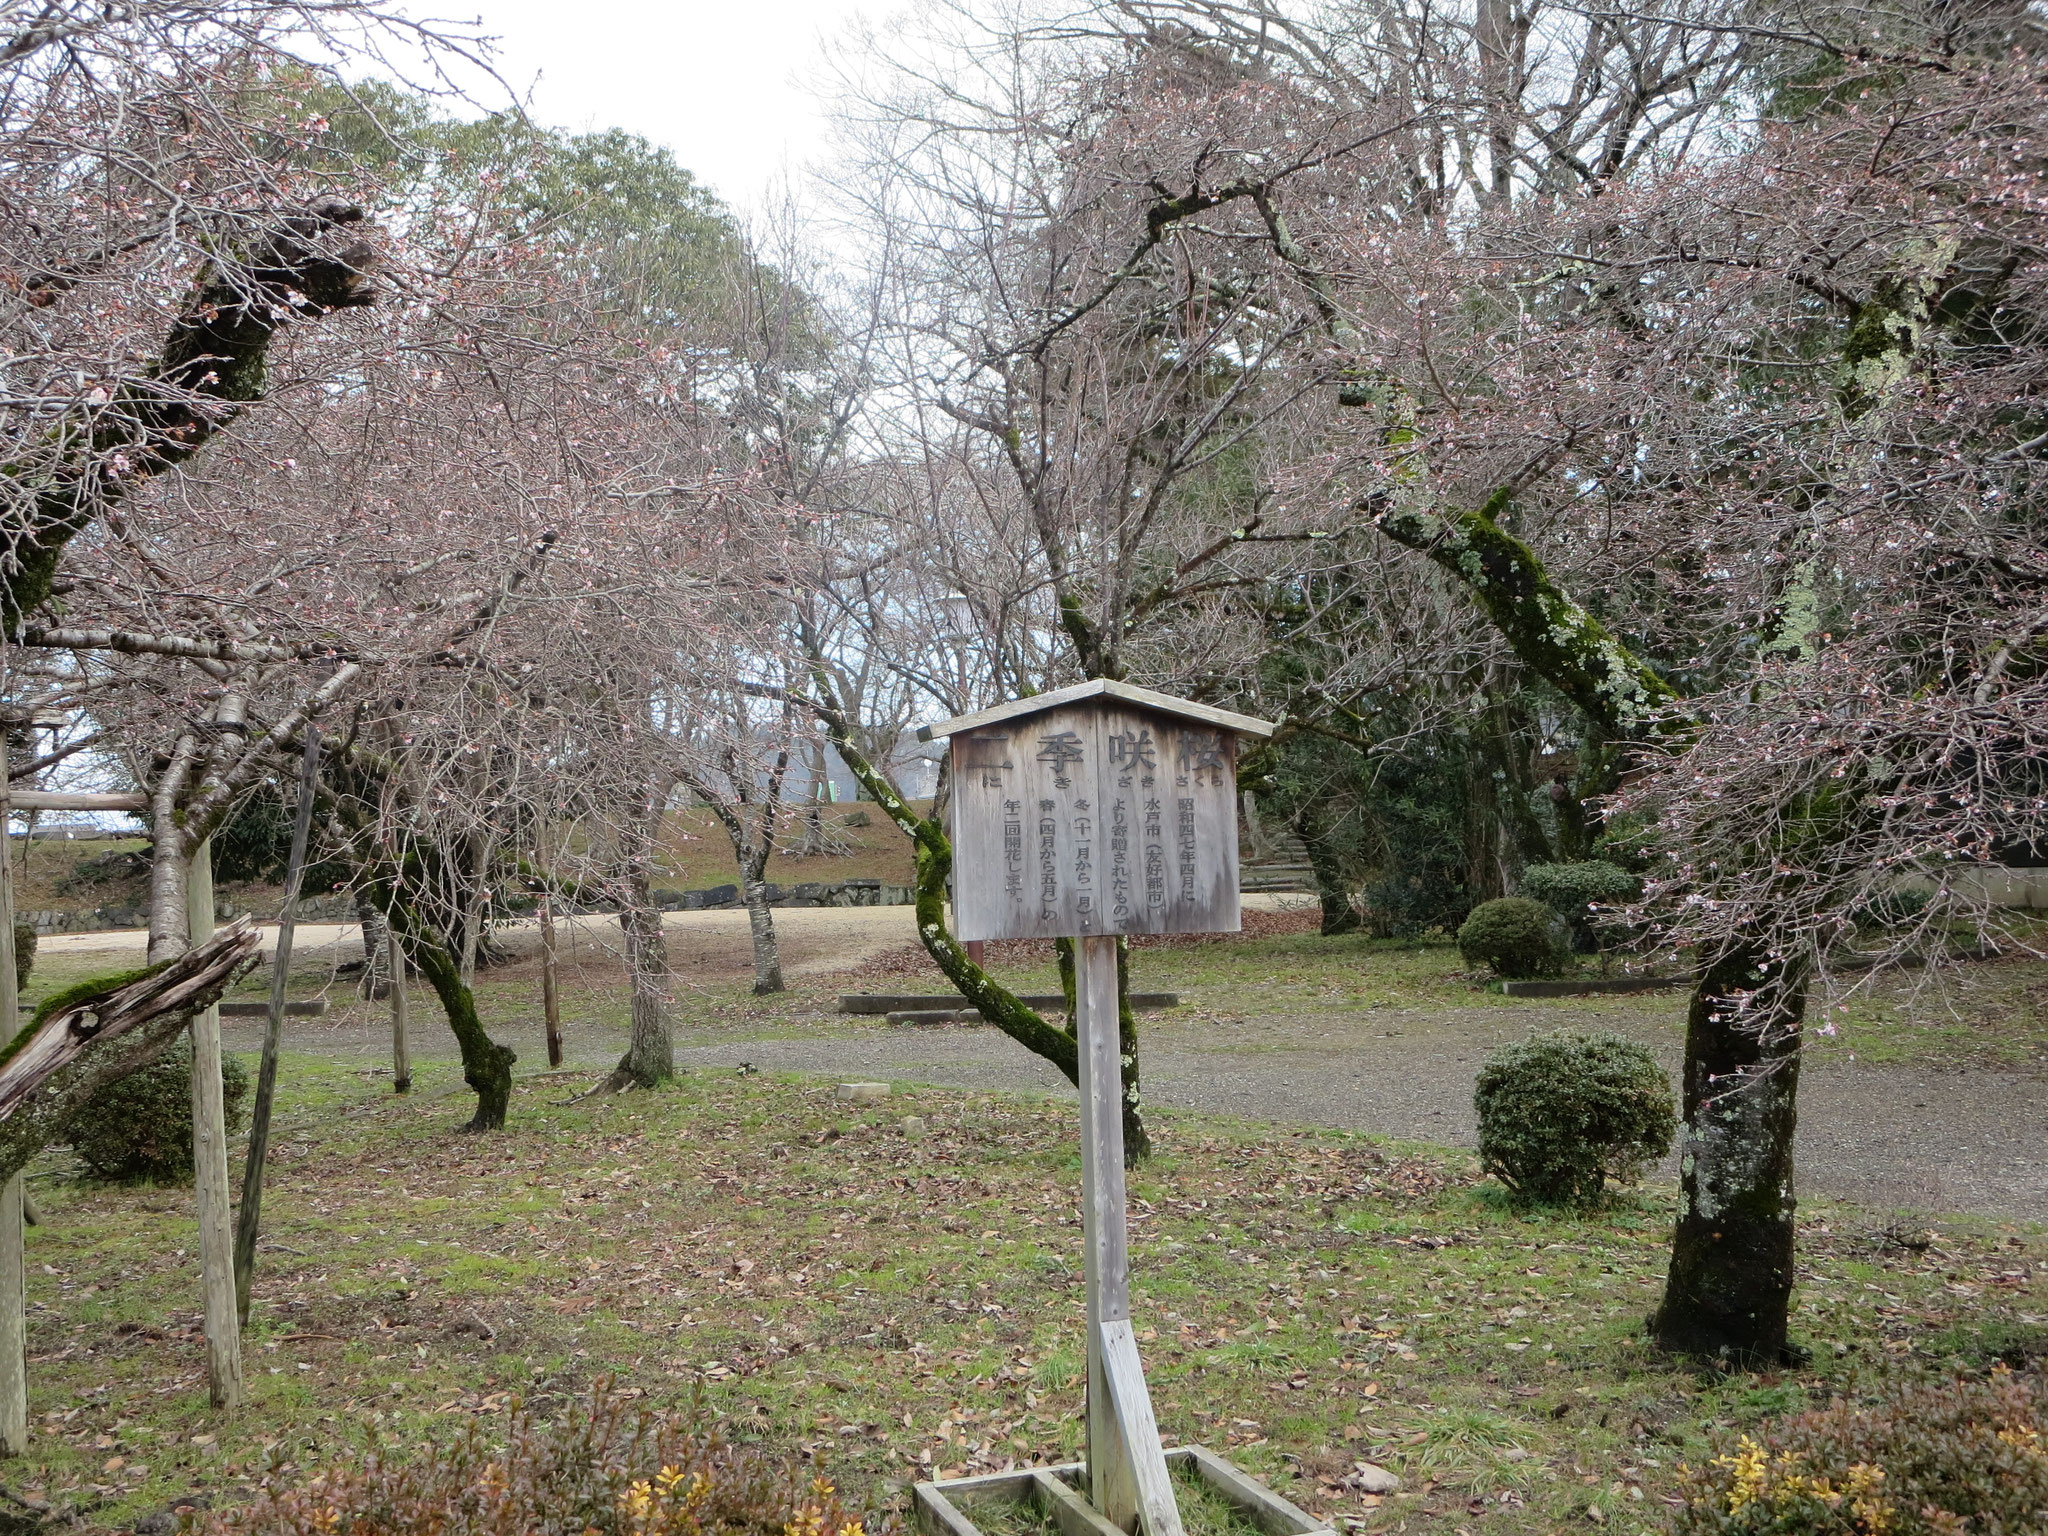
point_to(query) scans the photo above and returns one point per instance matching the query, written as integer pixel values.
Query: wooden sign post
(1091, 813)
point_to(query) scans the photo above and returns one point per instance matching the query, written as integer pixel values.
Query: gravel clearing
(1893, 1137)
(1915, 1136)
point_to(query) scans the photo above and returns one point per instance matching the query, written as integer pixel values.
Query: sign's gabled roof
(1106, 689)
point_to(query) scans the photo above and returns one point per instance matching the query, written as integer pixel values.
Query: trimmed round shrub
(1514, 936)
(1920, 1459)
(1572, 890)
(1561, 1114)
(24, 953)
(140, 1129)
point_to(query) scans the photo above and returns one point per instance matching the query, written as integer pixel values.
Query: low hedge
(1940, 1458)
(1515, 937)
(599, 1464)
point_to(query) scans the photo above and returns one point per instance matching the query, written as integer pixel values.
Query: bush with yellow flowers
(601, 1466)
(1947, 1458)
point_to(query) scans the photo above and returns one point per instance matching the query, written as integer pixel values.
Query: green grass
(1305, 1300)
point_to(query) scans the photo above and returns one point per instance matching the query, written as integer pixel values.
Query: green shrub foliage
(1572, 890)
(596, 1466)
(1922, 1459)
(1515, 936)
(24, 953)
(1561, 1114)
(1895, 909)
(141, 1127)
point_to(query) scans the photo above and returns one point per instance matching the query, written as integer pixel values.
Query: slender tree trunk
(169, 918)
(814, 813)
(750, 826)
(210, 1167)
(13, 1319)
(13, 1237)
(401, 1047)
(550, 994)
(1729, 1290)
(761, 921)
(249, 1218)
(650, 1054)
(475, 902)
(376, 949)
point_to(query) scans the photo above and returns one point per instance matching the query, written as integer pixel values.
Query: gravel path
(1905, 1137)
(1911, 1136)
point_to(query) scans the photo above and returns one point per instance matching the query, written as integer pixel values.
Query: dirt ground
(1916, 1134)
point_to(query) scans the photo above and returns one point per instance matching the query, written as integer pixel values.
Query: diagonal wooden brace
(1138, 1431)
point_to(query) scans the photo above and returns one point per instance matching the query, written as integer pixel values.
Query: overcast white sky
(723, 83)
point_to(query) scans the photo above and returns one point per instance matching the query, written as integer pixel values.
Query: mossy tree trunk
(1326, 864)
(1728, 1293)
(486, 1065)
(426, 951)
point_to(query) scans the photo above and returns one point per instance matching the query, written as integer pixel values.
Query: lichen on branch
(1552, 635)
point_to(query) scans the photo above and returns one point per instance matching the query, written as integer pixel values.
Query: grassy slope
(695, 853)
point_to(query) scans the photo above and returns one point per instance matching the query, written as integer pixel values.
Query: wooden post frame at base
(948, 1507)
(1090, 813)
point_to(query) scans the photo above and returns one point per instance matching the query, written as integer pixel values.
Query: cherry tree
(1727, 446)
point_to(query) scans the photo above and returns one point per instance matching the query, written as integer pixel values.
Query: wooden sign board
(1100, 810)
(1106, 813)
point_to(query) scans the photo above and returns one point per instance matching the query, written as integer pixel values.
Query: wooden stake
(210, 1166)
(1127, 1477)
(401, 1059)
(13, 1246)
(550, 998)
(249, 1219)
